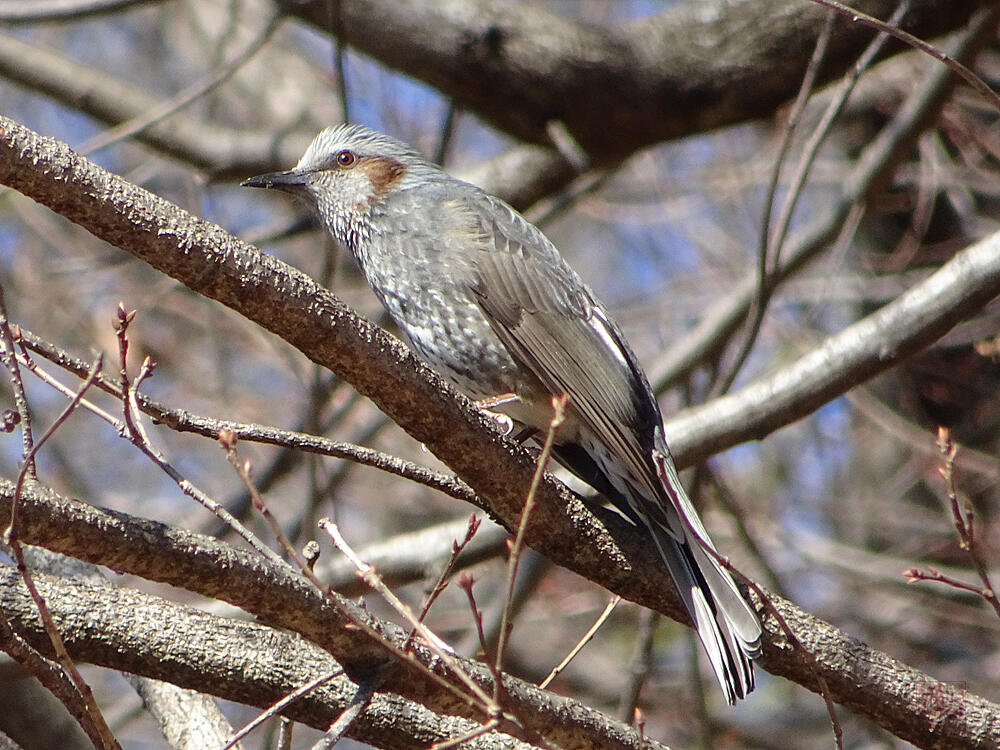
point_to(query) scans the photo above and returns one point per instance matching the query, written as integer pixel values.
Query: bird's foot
(487, 406)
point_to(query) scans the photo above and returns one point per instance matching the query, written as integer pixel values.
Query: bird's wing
(551, 323)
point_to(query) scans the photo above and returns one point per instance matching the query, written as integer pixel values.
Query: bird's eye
(346, 158)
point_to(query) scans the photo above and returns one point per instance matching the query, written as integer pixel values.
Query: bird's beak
(289, 180)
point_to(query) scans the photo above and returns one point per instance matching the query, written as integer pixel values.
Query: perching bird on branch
(487, 300)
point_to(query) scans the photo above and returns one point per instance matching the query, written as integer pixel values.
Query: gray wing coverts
(550, 321)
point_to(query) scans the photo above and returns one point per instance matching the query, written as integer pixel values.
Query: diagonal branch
(911, 322)
(215, 264)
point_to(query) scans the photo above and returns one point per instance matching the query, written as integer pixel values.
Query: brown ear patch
(383, 172)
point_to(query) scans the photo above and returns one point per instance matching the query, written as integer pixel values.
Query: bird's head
(347, 169)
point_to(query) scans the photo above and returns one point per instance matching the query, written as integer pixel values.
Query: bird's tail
(727, 626)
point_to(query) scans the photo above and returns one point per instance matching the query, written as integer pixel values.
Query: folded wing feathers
(549, 322)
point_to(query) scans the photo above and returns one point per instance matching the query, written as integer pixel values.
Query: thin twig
(359, 702)
(440, 649)
(964, 520)
(558, 415)
(95, 724)
(766, 279)
(456, 549)
(184, 421)
(12, 533)
(17, 384)
(275, 708)
(196, 90)
(992, 97)
(285, 730)
(228, 441)
(447, 132)
(774, 244)
(809, 658)
(587, 638)
(130, 427)
(466, 582)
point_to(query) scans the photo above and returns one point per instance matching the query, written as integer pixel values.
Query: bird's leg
(488, 405)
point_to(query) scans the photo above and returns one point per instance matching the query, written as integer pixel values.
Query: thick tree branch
(279, 597)
(694, 68)
(911, 322)
(232, 659)
(868, 681)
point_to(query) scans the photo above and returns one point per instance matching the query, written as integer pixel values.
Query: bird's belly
(446, 328)
(455, 339)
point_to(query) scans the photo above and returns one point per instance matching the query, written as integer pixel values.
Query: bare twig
(285, 729)
(475, 695)
(185, 97)
(227, 439)
(773, 243)
(26, 473)
(336, 17)
(587, 638)
(17, 385)
(890, 28)
(765, 262)
(558, 414)
(456, 549)
(964, 520)
(441, 649)
(131, 428)
(359, 702)
(466, 582)
(184, 421)
(92, 720)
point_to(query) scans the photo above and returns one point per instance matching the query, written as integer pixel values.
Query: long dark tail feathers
(730, 643)
(728, 627)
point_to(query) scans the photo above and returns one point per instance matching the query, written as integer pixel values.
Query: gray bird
(488, 301)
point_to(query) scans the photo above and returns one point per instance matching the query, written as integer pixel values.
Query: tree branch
(231, 659)
(859, 677)
(618, 88)
(279, 597)
(911, 322)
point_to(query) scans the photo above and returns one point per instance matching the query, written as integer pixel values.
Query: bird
(485, 298)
